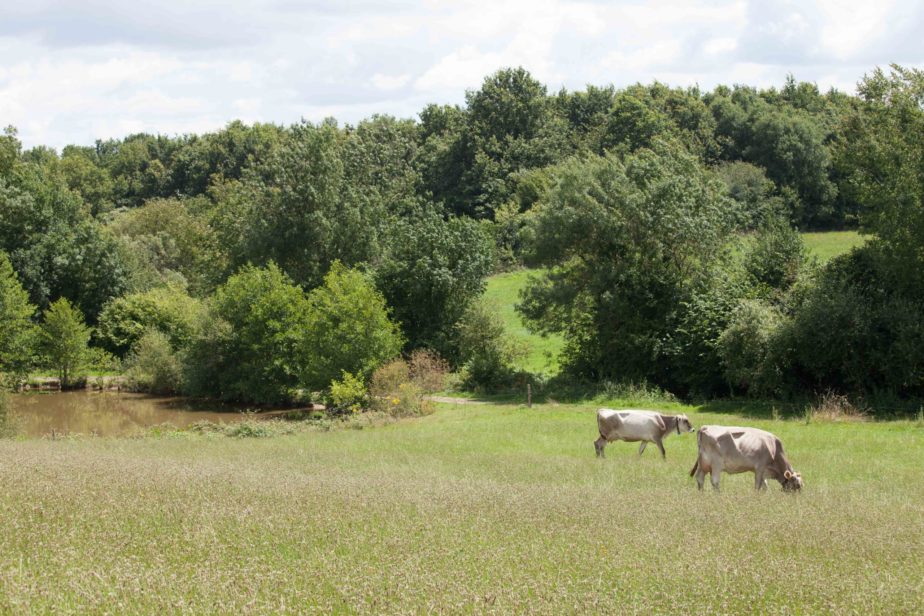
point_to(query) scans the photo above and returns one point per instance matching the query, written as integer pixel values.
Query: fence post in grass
(529, 395)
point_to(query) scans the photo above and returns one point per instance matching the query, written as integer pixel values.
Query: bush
(347, 395)
(153, 365)
(487, 351)
(168, 309)
(392, 391)
(427, 370)
(745, 348)
(249, 344)
(774, 260)
(347, 330)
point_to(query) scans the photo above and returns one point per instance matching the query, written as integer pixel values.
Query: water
(112, 413)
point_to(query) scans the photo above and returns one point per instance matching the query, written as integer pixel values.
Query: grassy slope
(829, 244)
(474, 508)
(542, 352)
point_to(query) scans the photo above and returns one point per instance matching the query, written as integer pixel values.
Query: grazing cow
(739, 450)
(632, 426)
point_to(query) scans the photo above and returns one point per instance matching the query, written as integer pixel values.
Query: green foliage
(17, 333)
(432, 269)
(882, 156)
(63, 341)
(746, 348)
(153, 365)
(169, 310)
(347, 330)
(248, 345)
(171, 240)
(626, 239)
(487, 352)
(776, 257)
(302, 209)
(348, 394)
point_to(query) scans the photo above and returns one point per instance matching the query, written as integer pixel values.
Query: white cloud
(390, 82)
(74, 72)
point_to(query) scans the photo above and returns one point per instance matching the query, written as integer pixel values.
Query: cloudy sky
(74, 71)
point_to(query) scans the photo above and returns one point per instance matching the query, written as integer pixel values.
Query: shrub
(745, 347)
(392, 391)
(427, 370)
(775, 258)
(248, 345)
(832, 406)
(348, 394)
(168, 309)
(487, 351)
(347, 330)
(153, 365)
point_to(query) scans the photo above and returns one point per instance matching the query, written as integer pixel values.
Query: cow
(739, 450)
(631, 425)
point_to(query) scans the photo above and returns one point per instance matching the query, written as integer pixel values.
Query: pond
(114, 413)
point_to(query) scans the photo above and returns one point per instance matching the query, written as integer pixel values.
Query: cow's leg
(661, 447)
(599, 444)
(700, 477)
(715, 475)
(759, 482)
(641, 448)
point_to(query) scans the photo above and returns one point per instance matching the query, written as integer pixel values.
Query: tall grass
(478, 508)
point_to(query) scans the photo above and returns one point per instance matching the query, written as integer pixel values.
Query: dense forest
(262, 262)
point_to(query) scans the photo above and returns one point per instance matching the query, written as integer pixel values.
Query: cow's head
(683, 424)
(792, 482)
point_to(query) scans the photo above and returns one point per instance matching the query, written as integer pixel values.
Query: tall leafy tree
(16, 328)
(64, 341)
(625, 241)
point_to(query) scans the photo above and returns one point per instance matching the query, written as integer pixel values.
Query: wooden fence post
(529, 395)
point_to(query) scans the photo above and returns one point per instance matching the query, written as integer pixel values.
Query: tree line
(664, 220)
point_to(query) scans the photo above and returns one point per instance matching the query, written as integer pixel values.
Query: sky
(76, 71)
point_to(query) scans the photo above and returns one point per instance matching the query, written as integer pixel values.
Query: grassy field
(829, 244)
(541, 352)
(477, 508)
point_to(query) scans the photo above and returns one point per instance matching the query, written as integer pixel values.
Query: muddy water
(110, 413)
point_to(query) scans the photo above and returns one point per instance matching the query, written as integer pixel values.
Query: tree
(168, 310)
(348, 330)
(881, 154)
(64, 339)
(16, 329)
(431, 270)
(302, 211)
(248, 345)
(624, 239)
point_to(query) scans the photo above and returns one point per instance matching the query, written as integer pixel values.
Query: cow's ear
(787, 475)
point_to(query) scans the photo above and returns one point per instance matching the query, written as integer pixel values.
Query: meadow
(476, 508)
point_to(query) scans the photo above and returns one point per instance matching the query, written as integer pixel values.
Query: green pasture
(477, 508)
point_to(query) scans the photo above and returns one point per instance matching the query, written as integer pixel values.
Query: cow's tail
(699, 438)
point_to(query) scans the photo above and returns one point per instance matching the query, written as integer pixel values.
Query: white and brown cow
(633, 425)
(739, 450)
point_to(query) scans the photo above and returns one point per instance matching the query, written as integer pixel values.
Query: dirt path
(449, 400)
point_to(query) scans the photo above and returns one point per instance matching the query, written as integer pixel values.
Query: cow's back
(735, 449)
(629, 424)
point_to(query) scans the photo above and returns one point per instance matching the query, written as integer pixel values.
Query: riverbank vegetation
(270, 264)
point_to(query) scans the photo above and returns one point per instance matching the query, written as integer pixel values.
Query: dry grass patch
(832, 406)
